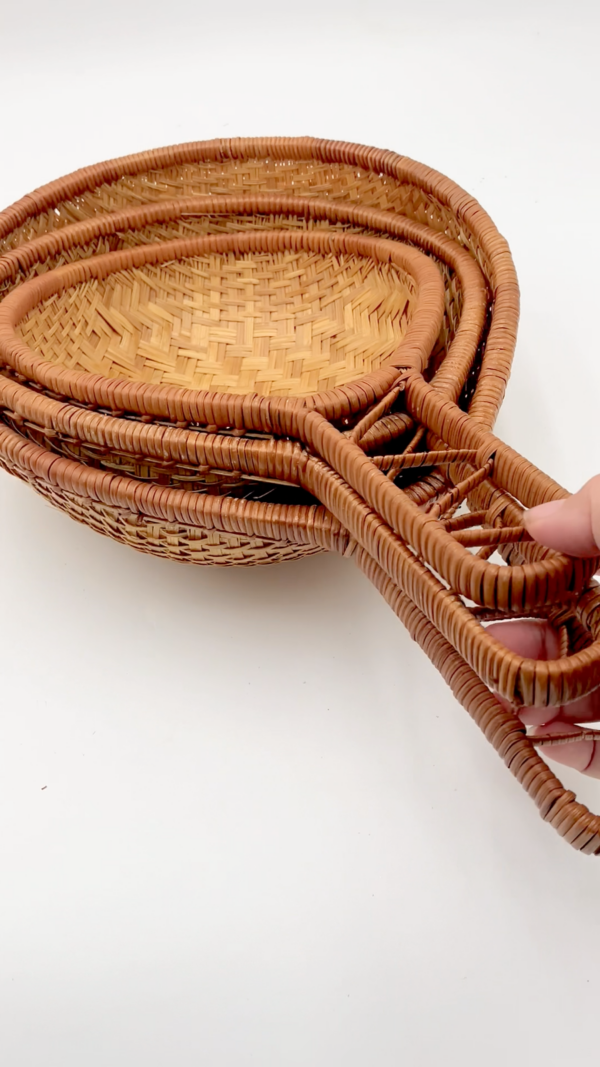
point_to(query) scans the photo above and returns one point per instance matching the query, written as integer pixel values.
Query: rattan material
(140, 449)
(104, 502)
(157, 453)
(346, 175)
(350, 175)
(465, 292)
(288, 323)
(127, 272)
(365, 176)
(334, 468)
(417, 549)
(257, 313)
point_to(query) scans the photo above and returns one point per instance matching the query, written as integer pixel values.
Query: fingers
(533, 639)
(571, 525)
(539, 640)
(584, 756)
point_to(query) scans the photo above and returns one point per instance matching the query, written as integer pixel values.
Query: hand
(571, 526)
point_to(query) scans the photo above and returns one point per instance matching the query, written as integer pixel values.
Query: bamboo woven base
(168, 540)
(185, 219)
(319, 315)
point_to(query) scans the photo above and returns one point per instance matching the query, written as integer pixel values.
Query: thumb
(571, 525)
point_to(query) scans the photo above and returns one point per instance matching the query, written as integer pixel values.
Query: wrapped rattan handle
(558, 806)
(425, 559)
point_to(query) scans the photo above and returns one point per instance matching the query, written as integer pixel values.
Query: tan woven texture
(156, 452)
(288, 324)
(388, 306)
(198, 216)
(332, 169)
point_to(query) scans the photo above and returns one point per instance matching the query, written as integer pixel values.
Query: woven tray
(164, 330)
(466, 297)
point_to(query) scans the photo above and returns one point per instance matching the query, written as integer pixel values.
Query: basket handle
(557, 805)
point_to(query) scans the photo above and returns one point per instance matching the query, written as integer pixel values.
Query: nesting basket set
(246, 351)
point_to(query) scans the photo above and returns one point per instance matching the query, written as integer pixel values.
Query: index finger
(540, 640)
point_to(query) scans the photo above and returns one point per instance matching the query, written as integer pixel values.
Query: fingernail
(542, 512)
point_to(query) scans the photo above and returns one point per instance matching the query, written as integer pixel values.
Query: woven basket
(120, 294)
(344, 175)
(163, 330)
(415, 545)
(339, 172)
(454, 353)
(170, 457)
(196, 216)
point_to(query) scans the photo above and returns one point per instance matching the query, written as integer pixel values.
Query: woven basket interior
(276, 323)
(313, 177)
(305, 167)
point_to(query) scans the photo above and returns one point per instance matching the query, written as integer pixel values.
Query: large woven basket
(457, 349)
(398, 410)
(119, 291)
(356, 348)
(306, 166)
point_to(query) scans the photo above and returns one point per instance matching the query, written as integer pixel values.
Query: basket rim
(451, 377)
(412, 353)
(497, 360)
(135, 437)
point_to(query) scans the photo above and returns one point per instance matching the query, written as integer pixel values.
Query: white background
(269, 835)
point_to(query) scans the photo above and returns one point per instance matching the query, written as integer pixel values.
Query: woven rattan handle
(557, 805)
(437, 570)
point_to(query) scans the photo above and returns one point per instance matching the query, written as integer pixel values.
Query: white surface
(269, 835)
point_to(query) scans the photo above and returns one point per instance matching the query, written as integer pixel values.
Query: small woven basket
(359, 400)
